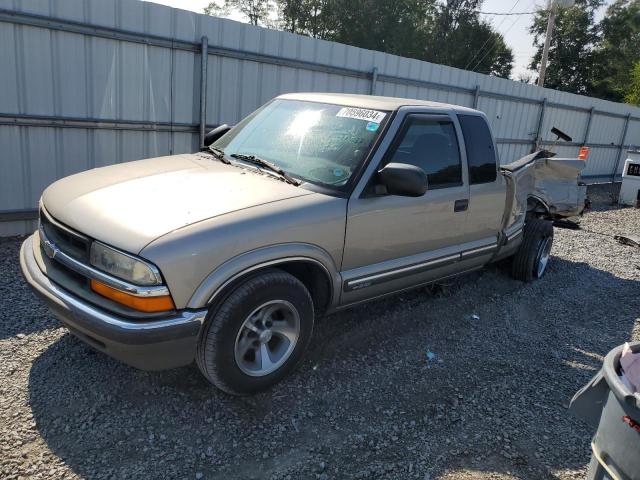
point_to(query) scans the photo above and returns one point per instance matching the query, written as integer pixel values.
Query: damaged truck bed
(540, 185)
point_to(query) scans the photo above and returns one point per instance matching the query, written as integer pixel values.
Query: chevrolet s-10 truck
(313, 203)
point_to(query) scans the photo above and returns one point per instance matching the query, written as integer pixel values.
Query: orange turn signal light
(142, 304)
(584, 153)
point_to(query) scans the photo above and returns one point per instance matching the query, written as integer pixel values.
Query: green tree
(619, 51)
(446, 32)
(572, 54)
(305, 17)
(633, 91)
(469, 43)
(393, 27)
(450, 33)
(256, 11)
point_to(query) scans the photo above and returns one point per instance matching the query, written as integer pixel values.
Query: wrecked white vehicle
(313, 203)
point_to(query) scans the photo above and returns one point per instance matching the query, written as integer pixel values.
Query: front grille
(72, 243)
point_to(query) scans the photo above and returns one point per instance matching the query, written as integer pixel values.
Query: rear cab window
(481, 154)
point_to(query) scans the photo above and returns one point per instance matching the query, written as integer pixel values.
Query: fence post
(204, 56)
(621, 146)
(374, 80)
(476, 94)
(538, 139)
(172, 80)
(588, 128)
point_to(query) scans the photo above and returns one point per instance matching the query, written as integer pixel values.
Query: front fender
(263, 257)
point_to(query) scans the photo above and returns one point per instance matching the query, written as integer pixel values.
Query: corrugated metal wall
(86, 83)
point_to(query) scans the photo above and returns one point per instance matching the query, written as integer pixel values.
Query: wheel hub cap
(544, 252)
(267, 338)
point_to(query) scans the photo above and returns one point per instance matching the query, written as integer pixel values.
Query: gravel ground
(366, 402)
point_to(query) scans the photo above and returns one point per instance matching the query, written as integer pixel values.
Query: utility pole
(547, 42)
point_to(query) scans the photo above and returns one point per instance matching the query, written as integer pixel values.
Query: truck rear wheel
(257, 335)
(531, 259)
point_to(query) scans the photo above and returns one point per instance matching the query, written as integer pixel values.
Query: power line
(495, 40)
(507, 13)
(493, 47)
(489, 38)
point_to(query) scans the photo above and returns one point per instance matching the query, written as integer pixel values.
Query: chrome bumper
(149, 345)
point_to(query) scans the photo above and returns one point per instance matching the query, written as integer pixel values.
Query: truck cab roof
(374, 102)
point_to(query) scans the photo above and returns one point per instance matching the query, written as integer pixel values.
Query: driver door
(393, 242)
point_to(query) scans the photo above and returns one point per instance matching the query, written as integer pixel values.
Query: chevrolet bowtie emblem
(49, 248)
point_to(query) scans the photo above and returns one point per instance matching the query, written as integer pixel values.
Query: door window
(481, 155)
(432, 145)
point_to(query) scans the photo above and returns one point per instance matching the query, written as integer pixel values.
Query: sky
(514, 28)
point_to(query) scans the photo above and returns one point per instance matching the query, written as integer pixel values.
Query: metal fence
(87, 83)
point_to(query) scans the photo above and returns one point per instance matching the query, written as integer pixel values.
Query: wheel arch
(537, 207)
(311, 265)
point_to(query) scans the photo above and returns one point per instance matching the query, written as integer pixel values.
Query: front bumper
(149, 345)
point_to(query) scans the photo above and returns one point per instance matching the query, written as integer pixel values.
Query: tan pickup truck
(313, 203)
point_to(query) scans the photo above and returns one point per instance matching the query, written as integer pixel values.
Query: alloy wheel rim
(267, 338)
(544, 253)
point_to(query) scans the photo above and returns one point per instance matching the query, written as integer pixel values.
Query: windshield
(315, 142)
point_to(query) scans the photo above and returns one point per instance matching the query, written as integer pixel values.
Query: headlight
(123, 266)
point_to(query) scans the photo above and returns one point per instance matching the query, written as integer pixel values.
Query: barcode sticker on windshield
(362, 114)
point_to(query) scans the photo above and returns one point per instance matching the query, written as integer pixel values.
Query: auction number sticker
(362, 114)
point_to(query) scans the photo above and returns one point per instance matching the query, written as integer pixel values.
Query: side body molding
(264, 257)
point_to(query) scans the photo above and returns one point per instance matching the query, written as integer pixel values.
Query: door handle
(461, 205)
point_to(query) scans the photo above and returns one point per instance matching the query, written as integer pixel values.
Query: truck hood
(131, 204)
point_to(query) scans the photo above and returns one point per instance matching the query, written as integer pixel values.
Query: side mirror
(403, 179)
(215, 134)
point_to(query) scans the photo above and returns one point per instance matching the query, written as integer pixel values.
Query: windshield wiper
(219, 154)
(266, 164)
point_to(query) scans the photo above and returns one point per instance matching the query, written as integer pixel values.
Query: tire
(235, 335)
(530, 261)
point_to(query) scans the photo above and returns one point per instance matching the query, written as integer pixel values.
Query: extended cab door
(487, 187)
(393, 242)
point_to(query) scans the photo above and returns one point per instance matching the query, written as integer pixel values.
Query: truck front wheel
(531, 259)
(257, 335)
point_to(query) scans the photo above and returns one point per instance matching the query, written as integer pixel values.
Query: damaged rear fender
(540, 181)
